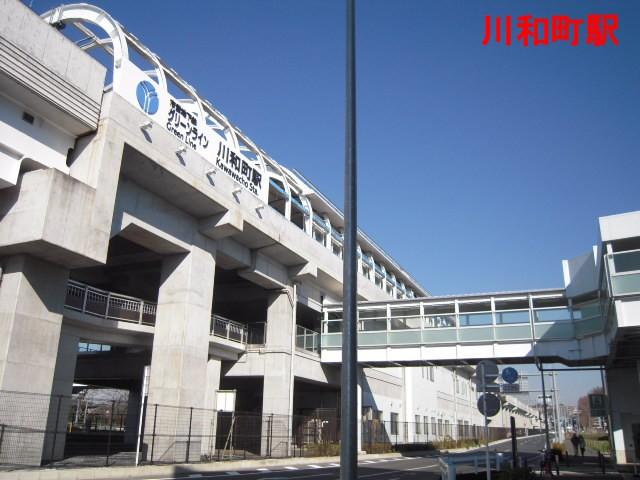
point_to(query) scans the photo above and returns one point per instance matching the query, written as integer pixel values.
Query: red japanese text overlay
(596, 30)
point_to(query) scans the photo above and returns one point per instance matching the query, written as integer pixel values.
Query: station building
(136, 217)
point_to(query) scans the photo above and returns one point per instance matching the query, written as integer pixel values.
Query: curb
(131, 472)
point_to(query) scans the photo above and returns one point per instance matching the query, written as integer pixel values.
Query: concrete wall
(623, 388)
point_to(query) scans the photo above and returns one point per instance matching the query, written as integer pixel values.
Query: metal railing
(226, 328)
(307, 339)
(113, 306)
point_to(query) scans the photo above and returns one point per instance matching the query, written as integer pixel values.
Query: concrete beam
(222, 225)
(150, 237)
(304, 271)
(265, 272)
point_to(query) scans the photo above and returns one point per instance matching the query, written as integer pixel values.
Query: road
(405, 468)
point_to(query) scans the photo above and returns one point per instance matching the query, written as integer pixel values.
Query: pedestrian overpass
(514, 327)
(585, 323)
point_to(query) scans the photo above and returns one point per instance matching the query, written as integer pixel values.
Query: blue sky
(481, 167)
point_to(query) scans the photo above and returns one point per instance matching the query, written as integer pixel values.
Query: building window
(417, 424)
(366, 271)
(394, 423)
(426, 425)
(277, 195)
(336, 243)
(299, 212)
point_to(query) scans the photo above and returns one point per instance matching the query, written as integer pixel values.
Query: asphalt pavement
(419, 466)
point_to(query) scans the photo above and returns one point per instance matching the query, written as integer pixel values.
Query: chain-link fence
(80, 430)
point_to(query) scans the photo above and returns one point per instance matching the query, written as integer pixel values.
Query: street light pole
(349, 384)
(556, 407)
(544, 406)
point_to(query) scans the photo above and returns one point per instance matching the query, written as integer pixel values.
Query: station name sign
(186, 121)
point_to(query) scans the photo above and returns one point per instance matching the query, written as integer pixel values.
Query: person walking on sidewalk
(582, 443)
(575, 441)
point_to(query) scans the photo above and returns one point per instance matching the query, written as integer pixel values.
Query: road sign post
(488, 404)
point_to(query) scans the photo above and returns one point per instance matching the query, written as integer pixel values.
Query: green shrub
(378, 448)
(322, 449)
(451, 443)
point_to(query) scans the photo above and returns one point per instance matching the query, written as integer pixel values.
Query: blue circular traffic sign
(510, 375)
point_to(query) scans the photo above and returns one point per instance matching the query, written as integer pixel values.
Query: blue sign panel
(510, 375)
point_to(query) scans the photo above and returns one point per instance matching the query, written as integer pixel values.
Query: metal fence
(43, 429)
(378, 435)
(77, 431)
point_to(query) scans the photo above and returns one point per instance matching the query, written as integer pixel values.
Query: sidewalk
(186, 469)
(587, 467)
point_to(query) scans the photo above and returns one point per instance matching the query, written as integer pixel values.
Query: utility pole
(557, 408)
(349, 380)
(544, 406)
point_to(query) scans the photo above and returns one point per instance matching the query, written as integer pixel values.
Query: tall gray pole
(487, 461)
(349, 394)
(544, 406)
(556, 407)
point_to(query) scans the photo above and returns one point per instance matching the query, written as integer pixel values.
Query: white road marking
(334, 464)
(195, 475)
(314, 466)
(368, 461)
(291, 468)
(422, 468)
(263, 469)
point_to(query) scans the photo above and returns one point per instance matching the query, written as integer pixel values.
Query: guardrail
(226, 328)
(307, 339)
(114, 306)
(449, 464)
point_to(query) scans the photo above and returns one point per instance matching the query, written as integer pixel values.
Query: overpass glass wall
(548, 316)
(624, 272)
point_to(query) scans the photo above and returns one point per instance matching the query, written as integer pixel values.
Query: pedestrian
(575, 442)
(582, 443)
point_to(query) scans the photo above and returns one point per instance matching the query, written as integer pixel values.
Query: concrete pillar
(623, 388)
(61, 396)
(209, 423)
(277, 396)
(179, 356)
(32, 294)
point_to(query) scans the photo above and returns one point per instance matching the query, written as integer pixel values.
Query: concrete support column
(32, 294)
(61, 396)
(277, 396)
(623, 387)
(209, 423)
(180, 355)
